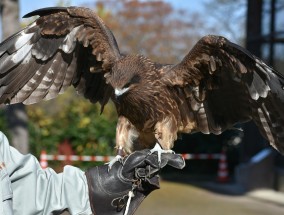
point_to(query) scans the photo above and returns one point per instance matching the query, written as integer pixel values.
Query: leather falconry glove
(121, 190)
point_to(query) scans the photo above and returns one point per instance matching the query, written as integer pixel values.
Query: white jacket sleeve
(30, 190)
(5, 192)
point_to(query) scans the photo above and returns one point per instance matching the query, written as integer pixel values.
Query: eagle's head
(128, 74)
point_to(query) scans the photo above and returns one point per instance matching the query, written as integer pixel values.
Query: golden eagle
(215, 86)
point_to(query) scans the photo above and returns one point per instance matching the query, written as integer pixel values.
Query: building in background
(265, 39)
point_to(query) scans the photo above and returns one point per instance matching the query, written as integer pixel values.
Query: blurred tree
(16, 114)
(73, 118)
(63, 3)
(227, 18)
(152, 28)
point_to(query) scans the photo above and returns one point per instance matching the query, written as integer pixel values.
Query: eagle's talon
(117, 158)
(157, 148)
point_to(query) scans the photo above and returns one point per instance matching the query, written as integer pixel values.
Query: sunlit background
(165, 31)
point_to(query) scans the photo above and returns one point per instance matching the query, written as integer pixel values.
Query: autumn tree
(227, 18)
(152, 28)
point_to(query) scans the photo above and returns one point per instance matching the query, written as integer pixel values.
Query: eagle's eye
(127, 85)
(134, 80)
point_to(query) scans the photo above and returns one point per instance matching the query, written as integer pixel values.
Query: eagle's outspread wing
(63, 47)
(224, 84)
(215, 86)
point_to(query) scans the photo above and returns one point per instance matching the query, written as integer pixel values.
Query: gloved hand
(122, 189)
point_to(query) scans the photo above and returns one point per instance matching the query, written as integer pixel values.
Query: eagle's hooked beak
(120, 92)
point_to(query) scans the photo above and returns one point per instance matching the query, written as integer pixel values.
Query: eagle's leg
(165, 134)
(157, 148)
(125, 135)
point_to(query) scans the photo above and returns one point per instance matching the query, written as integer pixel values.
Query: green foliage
(3, 122)
(73, 118)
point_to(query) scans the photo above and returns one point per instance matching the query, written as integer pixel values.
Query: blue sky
(27, 6)
(191, 6)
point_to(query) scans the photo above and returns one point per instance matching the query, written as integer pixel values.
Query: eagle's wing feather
(224, 84)
(63, 47)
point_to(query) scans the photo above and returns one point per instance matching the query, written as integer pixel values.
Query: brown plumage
(216, 85)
